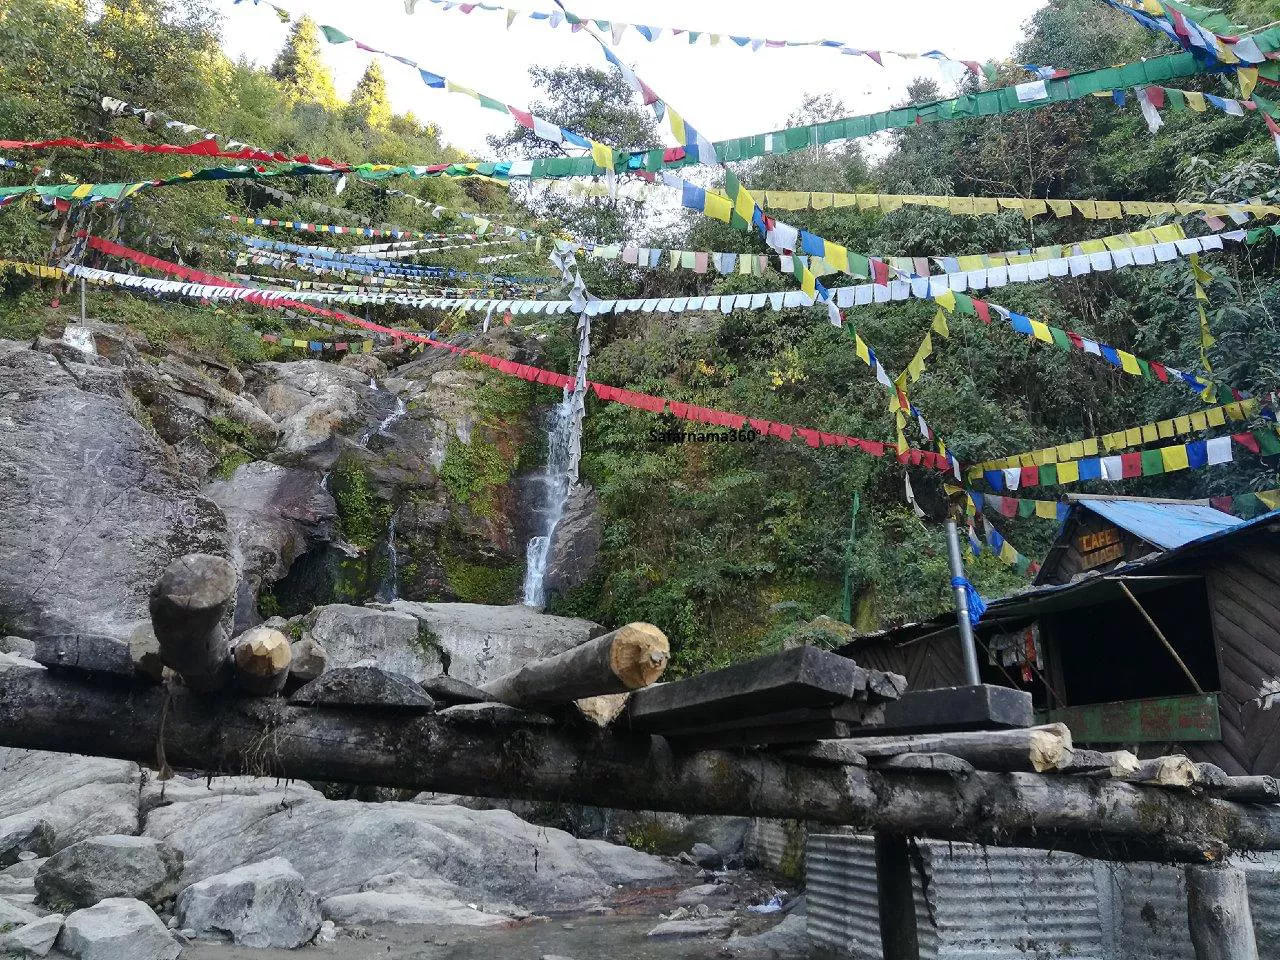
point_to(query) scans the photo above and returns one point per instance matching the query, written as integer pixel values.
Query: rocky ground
(99, 861)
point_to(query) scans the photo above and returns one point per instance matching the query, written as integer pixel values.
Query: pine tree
(370, 105)
(300, 67)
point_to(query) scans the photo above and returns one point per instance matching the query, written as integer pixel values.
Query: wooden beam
(895, 894)
(260, 660)
(243, 735)
(800, 676)
(626, 659)
(1218, 913)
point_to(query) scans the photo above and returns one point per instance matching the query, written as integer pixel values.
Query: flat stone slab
(689, 929)
(364, 687)
(495, 713)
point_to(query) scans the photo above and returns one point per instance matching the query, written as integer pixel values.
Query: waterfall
(564, 440)
(389, 589)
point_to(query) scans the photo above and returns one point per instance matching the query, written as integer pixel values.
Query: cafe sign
(1099, 547)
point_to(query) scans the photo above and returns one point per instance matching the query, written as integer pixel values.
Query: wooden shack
(1154, 625)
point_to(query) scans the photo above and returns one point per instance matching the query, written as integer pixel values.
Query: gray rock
(13, 661)
(79, 796)
(93, 501)
(703, 892)
(689, 929)
(263, 904)
(364, 687)
(117, 929)
(24, 869)
(367, 637)
(309, 659)
(788, 939)
(12, 915)
(160, 793)
(405, 908)
(22, 647)
(24, 833)
(310, 401)
(340, 845)
(707, 856)
(575, 544)
(35, 939)
(447, 690)
(481, 642)
(11, 885)
(274, 515)
(100, 868)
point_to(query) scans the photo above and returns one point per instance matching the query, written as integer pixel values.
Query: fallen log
(260, 658)
(268, 736)
(1114, 763)
(188, 604)
(1034, 749)
(627, 659)
(1253, 790)
(1170, 771)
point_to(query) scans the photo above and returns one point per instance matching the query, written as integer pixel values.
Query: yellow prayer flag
(860, 348)
(1075, 450)
(1233, 411)
(1062, 451)
(984, 205)
(1093, 246)
(1107, 209)
(718, 207)
(1047, 509)
(1026, 460)
(1034, 208)
(1269, 497)
(1182, 425)
(1087, 209)
(1168, 233)
(1041, 331)
(844, 199)
(946, 300)
(1174, 458)
(1129, 363)
(821, 201)
(1089, 447)
(1215, 416)
(961, 205)
(1069, 472)
(940, 324)
(1048, 455)
(602, 155)
(868, 201)
(838, 256)
(808, 283)
(1135, 208)
(676, 123)
(1250, 407)
(1199, 421)
(1195, 100)
(1155, 209)
(1060, 208)
(1149, 434)
(1008, 554)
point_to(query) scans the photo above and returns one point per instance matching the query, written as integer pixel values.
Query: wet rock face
(575, 544)
(275, 514)
(94, 502)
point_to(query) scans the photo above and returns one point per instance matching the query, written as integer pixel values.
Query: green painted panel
(1159, 719)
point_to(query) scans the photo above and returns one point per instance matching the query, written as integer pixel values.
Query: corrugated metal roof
(1167, 525)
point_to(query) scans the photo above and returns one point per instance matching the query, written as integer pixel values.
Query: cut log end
(261, 659)
(1050, 747)
(197, 582)
(639, 655)
(604, 709)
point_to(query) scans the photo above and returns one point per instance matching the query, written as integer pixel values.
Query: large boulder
(339, 846)
(78, 796)
(311, 401)
(478, 642)
(366, 637)
(275, 514)
(12, 915)
(576, 541)
(117, 929)
(100, 868)
(263, 904)
(93, 501)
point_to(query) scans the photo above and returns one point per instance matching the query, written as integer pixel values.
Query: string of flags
(1019, 506)
(200, 284)
(394, 233)
(1197, 422)
(1174, 20)
(1194, 455)
(993, 542)
(618, 29)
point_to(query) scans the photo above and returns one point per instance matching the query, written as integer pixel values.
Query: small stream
(563, 445)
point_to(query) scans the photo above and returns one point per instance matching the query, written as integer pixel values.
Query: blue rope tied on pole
(977, 606)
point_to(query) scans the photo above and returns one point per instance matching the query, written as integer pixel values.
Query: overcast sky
(725, 91)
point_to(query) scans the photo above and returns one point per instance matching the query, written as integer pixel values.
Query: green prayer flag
(1049, 475)
(1026, 508)
(1060, 338)
(333, 34)
(1152, 463)
(1268, 442)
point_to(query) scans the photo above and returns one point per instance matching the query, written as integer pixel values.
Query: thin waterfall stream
(564, 439)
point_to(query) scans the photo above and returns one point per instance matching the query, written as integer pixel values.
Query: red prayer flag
(984, 310)
(1248, 441)
(1030, 477)
(1131, 464)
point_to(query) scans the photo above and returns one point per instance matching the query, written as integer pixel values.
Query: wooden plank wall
(932, 662)
(1065, 560)
(1244, 597)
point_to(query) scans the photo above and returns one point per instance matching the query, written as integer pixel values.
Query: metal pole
(967, 647)
(82, 301)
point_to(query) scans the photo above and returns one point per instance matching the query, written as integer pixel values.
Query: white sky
(725, 91)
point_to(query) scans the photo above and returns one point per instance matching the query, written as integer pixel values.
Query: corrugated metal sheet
(841, 898)
(778, 845)
(1010, 904)
(1264, 901)
(1166, 525)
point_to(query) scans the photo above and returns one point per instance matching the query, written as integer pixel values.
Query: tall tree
(301, 68)
(370, 105)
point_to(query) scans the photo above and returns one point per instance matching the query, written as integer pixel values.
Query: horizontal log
(625, 659)
(237, 735)
(1035, 749)
(1253, 790)
(1170, 771)
(1112, 763)
(942, 763)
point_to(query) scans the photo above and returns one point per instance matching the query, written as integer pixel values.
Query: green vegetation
(362, 517)
(480, 583)
(474, 472)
